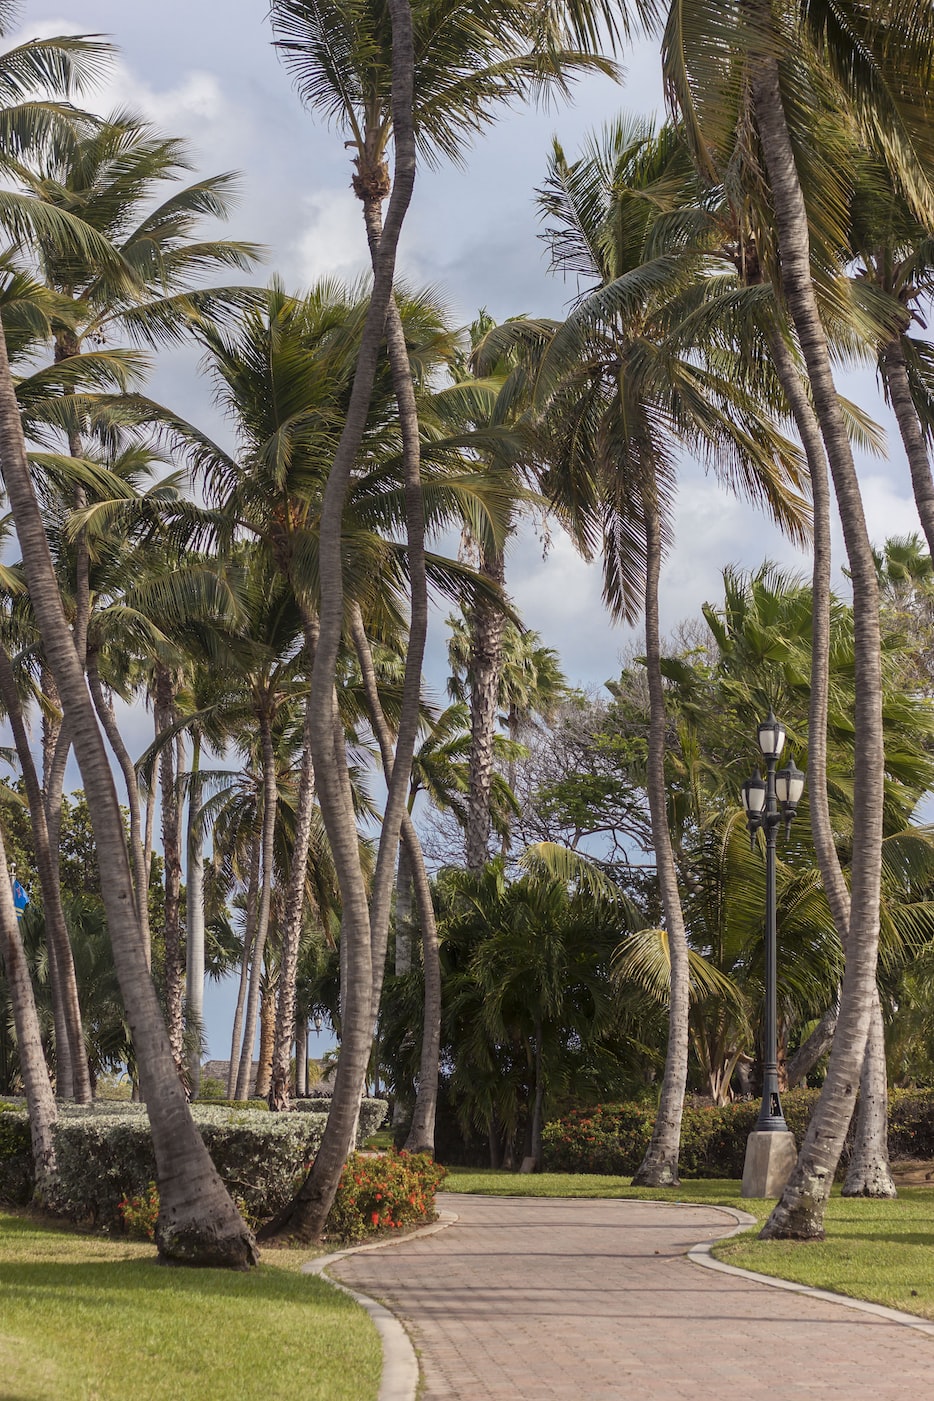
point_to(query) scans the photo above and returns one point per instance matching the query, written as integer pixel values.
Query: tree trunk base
(657, 1174)
(194, 1243)
(873, 1181)
(801, 1216)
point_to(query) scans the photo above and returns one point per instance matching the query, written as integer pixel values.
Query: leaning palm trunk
(817, 1045)
(198, 1223)
(56, 745)
(307, 1214)
(194, 918)
(292, 926)
(421, 1137)
(40, 1102)
(171, 846)
(895, 372)
(659, 1167)
(800, 1211)
(108, 719)
(869, 1162)
(69, 1031)
(270, 803)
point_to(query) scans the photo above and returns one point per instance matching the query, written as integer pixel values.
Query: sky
(205, 70)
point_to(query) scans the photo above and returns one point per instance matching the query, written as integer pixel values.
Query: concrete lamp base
(770, 1158)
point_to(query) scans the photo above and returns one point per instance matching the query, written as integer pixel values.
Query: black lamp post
(768, 802)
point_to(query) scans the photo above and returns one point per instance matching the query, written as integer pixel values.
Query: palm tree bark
(421, 1137)
(249, 935)
(485, 664)
(292, 924)
(799, 1213)
(69, 1031)
(659, 1167)
(895, 373)
(40, 1101)
(105, 713)
(198, 1223)
(56, 745)
(869, 1172)
(270, 804)
(164, 706)
(817, 1045)
(194, 919)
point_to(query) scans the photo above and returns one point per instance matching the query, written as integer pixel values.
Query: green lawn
(881, 1251)
(84, 1318)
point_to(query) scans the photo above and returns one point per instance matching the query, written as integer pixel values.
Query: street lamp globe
(771, 736)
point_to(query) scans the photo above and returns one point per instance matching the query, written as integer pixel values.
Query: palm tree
(618, 394)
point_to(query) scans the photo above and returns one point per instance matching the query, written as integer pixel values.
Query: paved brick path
(542, 1300)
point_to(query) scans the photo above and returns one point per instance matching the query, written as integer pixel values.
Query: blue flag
(20, 898)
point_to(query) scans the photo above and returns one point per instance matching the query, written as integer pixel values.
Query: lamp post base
(770, 1158)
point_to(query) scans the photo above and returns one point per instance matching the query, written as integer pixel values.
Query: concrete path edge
(702, 1254)
(400, 1374)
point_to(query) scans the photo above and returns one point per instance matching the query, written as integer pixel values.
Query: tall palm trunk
(421, 1137)
(486, 654)
(659, 1167)
(270, 804)
(40, 1102)
(267, 1036)
(249, 935)
(105, 713)
(171, 846)
(800, 1211)
(307, 1214)
(198, 1223)
(895, 373)
(194, 917)
(56, 744)
(292, 925)
(69, 1030)
(865, 1172)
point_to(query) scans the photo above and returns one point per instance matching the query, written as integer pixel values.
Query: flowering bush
(384, 1192)
(141, 1213)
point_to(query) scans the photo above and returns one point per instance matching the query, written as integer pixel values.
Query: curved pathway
(553, 1300)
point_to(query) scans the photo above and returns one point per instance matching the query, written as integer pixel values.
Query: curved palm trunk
(895, 373)
(292, 925)
(249, 934)
(194, 914)
(105, 713)
(817, 1045)
(659, 1167)
(40, 1101)
(69, 1031)
(800, 1211)
(198, 1223)
(403, 958)
(869, 1167)
(421, 1137)
(305, 1216)
(270, 803)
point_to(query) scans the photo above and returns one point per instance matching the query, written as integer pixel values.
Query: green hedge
(612, 1138)
(16, 1175)
(104, 1153)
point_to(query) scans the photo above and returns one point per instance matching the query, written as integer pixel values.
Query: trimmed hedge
(104, 1154)
(386, 1192)
(612, 1139)
(16, 1174)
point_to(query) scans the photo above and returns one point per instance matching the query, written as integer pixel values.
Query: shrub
(141, 1213)
(16, 1172)
(384, 1192)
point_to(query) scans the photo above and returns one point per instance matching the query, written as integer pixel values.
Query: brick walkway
(549, 1300)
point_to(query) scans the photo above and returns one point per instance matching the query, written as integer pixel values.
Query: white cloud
(333, 238)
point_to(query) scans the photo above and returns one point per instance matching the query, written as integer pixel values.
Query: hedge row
(612, 1139)
(104, 1154)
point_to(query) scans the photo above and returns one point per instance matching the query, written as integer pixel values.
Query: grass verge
(85, 1317)
(875, 1250)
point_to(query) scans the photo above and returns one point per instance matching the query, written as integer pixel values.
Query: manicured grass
(880, 1251)
(83, 1318)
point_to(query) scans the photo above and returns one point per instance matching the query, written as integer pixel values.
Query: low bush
(613, 1138)
(383, 1192)
(16, 1173)
(104, 1154)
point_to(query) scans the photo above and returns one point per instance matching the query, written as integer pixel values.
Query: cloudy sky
(205, 70)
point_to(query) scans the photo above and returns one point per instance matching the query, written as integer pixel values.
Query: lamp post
(769, 802)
